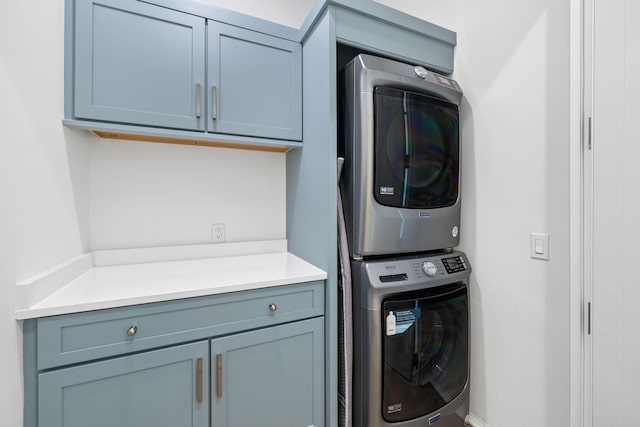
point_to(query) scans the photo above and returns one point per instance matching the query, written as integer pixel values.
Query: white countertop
(123, 285)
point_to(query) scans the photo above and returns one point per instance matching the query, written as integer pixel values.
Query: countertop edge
(70, 286)
(33, 313)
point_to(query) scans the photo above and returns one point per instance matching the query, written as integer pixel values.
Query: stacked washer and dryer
(408, 296)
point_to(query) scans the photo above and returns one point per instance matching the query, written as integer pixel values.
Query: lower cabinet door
(167, 387)
(272, 377)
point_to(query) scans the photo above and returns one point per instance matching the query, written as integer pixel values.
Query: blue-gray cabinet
(138, 63)
(230, 358)
(159, 388)
(137, 68)
(277, 372)
(255, 83)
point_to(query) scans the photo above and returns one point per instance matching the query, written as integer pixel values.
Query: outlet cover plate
(217, 233)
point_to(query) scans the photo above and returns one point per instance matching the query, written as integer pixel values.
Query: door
(416, 150)
(426, 354)
(272, 377)
(139, 63)
(158, 388)
(612, 181)
(255, 83)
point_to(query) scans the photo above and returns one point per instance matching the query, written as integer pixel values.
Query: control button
(429, 268)
(421, 72)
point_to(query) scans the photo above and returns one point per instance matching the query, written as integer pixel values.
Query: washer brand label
(387, 191)
(434, 419)
(394, 408)
(424, 214)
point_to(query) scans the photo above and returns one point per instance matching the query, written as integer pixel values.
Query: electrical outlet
(217, 233)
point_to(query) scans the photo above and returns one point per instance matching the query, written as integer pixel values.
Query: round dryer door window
(416, 150)
(425, 357)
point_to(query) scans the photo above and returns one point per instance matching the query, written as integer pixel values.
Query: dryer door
(425, 351)
(416, 150)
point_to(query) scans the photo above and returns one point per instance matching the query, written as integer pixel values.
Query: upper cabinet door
(139, 63)
(254, 83)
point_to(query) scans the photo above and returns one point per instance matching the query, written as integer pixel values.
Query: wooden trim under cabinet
(186, 141)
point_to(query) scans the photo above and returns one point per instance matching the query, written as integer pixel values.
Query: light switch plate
(540, 246)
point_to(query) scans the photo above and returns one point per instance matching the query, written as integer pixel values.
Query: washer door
(425, 355)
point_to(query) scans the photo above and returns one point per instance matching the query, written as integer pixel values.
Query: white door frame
(584, 299)
(581, 208)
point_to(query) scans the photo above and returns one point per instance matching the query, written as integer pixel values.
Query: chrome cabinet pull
(219, 375)
(214, 102)
(198, 99)
(199, 380)
(273, 307)
(133, 329)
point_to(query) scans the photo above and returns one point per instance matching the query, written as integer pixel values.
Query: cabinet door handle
(199, 380)
(198, 99)
(214, 102)
(219, 375)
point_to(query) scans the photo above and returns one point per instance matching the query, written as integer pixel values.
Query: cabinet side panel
(29, 350)
(312, 185)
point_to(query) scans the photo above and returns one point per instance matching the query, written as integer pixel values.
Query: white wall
(290, 13)
(512, 61)
(63, 191)
(41, 214)
(149, 194)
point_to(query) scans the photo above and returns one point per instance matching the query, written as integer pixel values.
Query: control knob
(429, 268)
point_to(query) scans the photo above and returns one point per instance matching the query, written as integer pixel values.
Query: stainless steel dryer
(411, 341)
(400, 139)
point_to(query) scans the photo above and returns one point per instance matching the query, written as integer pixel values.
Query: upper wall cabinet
(137, 70)
(140, 64)
(255, 83)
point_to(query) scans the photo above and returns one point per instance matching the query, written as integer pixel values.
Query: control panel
(454, 264)
(416, 269)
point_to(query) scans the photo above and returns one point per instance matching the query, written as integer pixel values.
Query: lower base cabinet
(253, 358)
(158, 388)
(271, 377)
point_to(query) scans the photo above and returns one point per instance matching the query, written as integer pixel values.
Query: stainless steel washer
(411, 342)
